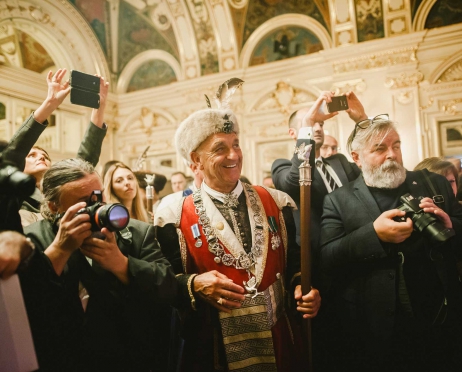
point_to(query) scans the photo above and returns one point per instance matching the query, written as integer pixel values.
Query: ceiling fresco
(189, 41)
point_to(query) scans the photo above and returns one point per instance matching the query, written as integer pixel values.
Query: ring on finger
(220, 301)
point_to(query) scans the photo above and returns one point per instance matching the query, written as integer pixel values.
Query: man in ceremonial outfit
(233, 248)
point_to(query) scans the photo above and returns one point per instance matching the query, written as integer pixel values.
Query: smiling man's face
(219, 157)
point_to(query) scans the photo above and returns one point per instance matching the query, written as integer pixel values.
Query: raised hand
(97, 115)
(57, 92)
(355, 108)
(429, 206)
(315, 114)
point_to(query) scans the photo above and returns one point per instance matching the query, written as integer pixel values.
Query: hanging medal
(275, 239)
(196, 235)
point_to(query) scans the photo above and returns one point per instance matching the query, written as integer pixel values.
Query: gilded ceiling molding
(449, 70)
(141, 58)
(226, 38)
(277, 22)
(391, 57)
(61, 30)
(422, 14)
(404, 80)
(205, 35)
(283, 97)
(238, 4)
(187, 45)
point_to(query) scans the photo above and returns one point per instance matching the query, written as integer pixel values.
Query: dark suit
(119, 330)
(365, 303)
(285, 174)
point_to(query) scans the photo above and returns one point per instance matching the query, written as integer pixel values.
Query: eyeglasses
(364, 124)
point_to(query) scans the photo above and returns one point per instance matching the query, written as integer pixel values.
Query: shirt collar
(219, 195)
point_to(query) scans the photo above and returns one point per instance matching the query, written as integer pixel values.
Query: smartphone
(84, 98)
(339, 103)
(84, 81)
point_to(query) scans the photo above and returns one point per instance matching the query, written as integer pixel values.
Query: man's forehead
(385, 137)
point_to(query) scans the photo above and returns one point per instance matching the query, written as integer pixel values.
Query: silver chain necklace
(245, 260)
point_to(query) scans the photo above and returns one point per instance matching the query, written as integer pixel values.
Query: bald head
(329, 147)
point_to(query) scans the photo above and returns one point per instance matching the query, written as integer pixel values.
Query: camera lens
(114, 217)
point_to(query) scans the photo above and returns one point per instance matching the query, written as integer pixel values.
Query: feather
(209, 105)
(226, 91)
(141, 159)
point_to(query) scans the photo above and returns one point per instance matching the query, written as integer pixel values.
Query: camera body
(425, 223)
(114, 217)
(13, 182)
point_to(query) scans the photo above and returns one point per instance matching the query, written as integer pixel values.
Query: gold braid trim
(285, 240)
(183, 248)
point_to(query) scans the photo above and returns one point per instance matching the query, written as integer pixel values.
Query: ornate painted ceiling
(149, 43)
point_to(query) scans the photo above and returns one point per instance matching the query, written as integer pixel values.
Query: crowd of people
(208, 278)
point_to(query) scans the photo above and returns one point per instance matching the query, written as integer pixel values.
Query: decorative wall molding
(283, 97)
(387, 58)
(342, 87)
(451, 107)
(404, 80)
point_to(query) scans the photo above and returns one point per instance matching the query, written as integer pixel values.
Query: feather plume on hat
(201, 124)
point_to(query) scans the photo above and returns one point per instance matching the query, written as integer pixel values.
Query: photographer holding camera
(387, 240)
(92, 294)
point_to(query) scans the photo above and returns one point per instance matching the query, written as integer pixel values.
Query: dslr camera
(114, 217)
(426, 223)
(13, 182)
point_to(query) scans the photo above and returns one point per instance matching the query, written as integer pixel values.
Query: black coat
(119, 330)
(285, 175)
(363, 297)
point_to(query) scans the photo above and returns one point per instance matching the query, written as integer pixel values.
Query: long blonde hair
(138, 211)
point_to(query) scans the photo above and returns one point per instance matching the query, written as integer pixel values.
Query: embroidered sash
(247, 331)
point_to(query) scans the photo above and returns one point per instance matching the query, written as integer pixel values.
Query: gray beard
(388, 175)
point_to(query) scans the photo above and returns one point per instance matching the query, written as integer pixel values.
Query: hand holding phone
(339, 103)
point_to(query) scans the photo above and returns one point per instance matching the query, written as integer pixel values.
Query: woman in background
(121, 186)
(443, 167)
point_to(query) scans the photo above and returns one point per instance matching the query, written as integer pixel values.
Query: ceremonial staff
(150, 195)
(303, 153)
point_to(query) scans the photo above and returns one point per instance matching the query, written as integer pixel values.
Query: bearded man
(234, 246)
(395, 296)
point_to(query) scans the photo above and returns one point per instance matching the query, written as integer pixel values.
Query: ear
(53, 207)
(293, 133)
(355, 157)
(196, 159)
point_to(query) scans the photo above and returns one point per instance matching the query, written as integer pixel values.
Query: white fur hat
(198, 126)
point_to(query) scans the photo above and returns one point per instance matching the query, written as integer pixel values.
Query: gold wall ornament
(405, 97)
(452, 73)
(404, 80)
(357, 86)
(283, 98)
(429, 104)
(39, 15)
(391, 57)
(238, 4)
(451, 107)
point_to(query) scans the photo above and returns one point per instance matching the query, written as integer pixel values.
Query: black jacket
(119, 330)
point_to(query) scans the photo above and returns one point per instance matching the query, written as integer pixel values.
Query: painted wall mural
(152, 74)
(137, 35)
(369, 19)
(444, 13)
(94, 12)
(260, 11)
(34, 55)
(284, 43)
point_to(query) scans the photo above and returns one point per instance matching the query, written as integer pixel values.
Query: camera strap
(125, 235)
(437, 198)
